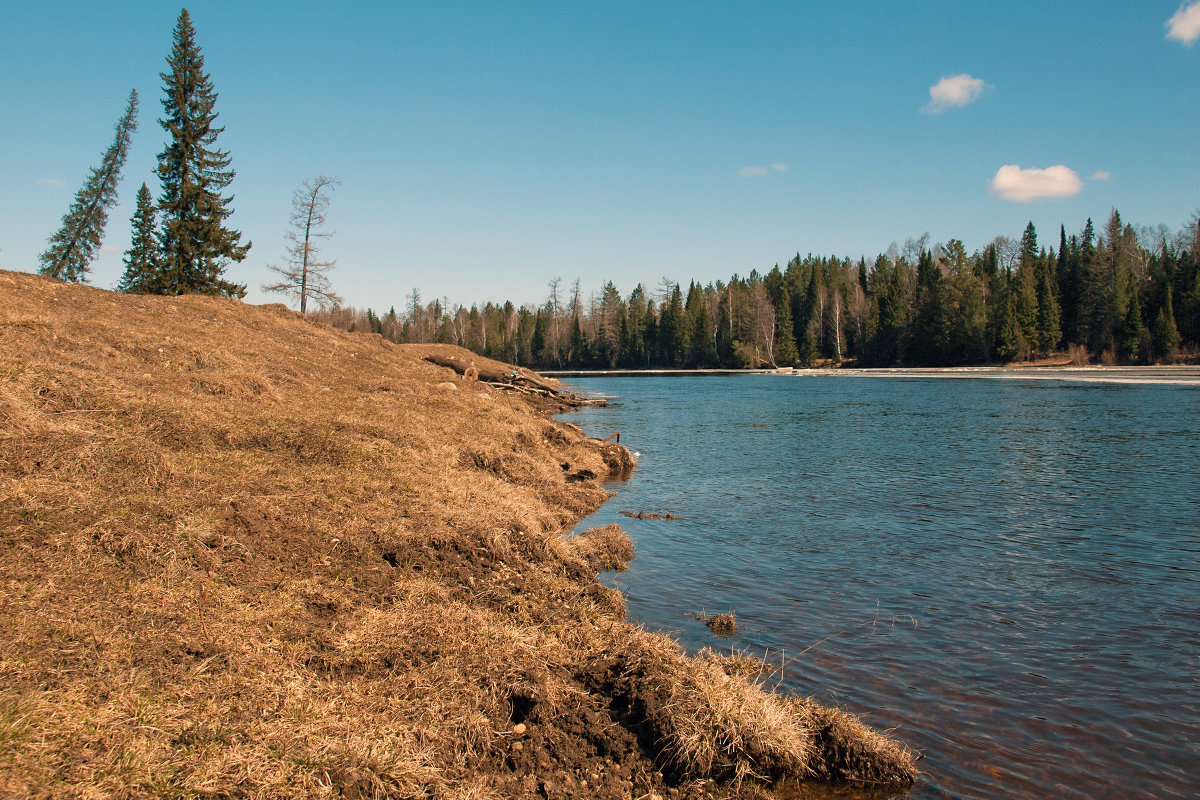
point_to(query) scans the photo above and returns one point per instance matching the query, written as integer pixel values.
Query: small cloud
(1185, 25)
(104, 248)
(1025, 185)
(55, 182)
(1101, 175)
(954, 91)
(757, 171)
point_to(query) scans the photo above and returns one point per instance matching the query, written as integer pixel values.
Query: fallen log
(492, 374)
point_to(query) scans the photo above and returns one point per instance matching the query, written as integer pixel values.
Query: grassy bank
(245, 555)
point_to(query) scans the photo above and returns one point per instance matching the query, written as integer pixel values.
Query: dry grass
(245, 555)
(607, 548)
(710, 716)
(848, 750)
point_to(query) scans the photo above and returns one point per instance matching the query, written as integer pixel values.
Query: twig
(871, 622)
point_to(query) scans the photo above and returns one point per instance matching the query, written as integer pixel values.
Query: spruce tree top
(141, 259)
(74, 246)
(196, 245)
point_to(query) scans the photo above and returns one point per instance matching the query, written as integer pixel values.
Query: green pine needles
(142, 275)
(73, 248)
(191, 250)
(196, 247)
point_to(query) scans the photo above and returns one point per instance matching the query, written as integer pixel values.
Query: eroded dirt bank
(243, 555)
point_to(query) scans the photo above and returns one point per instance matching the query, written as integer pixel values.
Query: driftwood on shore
(508, 378)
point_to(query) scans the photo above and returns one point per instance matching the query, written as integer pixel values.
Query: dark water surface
(1006, 572)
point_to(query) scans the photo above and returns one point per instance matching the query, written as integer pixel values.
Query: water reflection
(1046, 537)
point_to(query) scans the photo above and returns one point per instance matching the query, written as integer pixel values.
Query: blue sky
(485, 148)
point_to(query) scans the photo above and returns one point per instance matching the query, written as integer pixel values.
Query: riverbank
(247, 555)
(1181, 375)
(1177, 375)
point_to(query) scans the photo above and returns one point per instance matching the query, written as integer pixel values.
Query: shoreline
(1174, 375)
(248, 554)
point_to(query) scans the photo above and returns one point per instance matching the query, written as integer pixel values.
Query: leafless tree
(304, 275)
(833, 323)
(1007, 250)
(914, 247)
(859, 311)
(763, 314)
(554, 306)
(1189, 236)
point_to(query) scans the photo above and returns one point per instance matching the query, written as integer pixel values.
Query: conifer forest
(1115, 295)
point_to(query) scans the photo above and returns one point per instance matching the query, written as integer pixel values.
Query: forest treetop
(1113, 294)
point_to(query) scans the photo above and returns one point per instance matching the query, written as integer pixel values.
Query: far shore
(1176, 375)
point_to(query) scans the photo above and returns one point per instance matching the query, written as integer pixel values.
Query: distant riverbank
(1184, 375)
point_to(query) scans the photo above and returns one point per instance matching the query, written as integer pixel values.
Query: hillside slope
(245, 555)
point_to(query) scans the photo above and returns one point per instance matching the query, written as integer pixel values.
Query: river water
(1006, 573)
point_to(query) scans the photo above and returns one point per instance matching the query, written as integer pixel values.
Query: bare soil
(247, 555)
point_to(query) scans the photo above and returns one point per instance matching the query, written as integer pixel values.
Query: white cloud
(954, 91)
(105, 248)
(1101, 175)
(755, 171)
(1025, 185)
(55, 182)
(1185, 25)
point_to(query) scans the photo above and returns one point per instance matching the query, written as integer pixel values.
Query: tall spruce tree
(786, 351)
(1025, 297)
(196, 245)
(1049, 313)
(1165, 333)
(73, 248)
(1010, 342)
(141, 259)
(931, 324)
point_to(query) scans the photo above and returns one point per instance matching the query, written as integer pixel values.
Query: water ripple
(1045, 538)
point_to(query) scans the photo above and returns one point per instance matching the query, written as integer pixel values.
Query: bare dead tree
(1007, 250)
(554, 306)
(304, 275)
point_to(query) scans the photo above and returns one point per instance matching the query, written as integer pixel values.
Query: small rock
(517, 746)
(519, 728)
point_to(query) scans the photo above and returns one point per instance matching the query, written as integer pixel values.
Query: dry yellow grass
(246, 555)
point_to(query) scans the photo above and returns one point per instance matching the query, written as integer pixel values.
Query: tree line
(188, 247)
(1116, 295)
